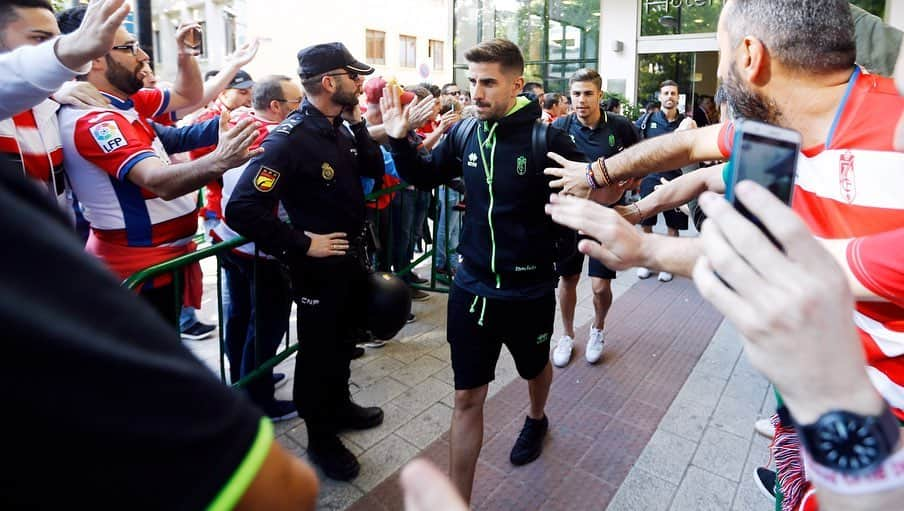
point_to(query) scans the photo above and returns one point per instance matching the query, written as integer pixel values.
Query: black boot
(353, 416)
(333, 458)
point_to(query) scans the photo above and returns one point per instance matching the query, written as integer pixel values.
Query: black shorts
(524, 326)
(673, 218)
(572, 264)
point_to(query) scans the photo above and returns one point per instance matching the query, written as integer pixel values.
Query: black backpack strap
(539, 144)
(461, 134)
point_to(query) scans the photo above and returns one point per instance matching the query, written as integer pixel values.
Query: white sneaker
(664, 276)
(643, 273)
(594, 346)
(562, 354)
(765, 428)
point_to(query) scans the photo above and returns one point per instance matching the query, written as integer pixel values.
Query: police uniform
(313, 166)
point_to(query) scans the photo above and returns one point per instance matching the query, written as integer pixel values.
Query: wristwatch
(849, 443)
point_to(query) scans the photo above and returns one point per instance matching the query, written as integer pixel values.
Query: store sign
(664, 5)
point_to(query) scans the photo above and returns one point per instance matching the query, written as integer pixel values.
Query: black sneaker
(333, 458)
(530, 442)
(279, 379)
(357, 352)
(354, 416)
(198, 331)
(765, 481)
(416, 279)
(279, 410)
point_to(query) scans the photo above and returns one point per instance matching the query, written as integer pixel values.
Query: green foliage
(59, 5)
(876, 7)
(629, 110)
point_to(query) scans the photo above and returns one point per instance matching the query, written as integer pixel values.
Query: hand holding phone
(767, 155)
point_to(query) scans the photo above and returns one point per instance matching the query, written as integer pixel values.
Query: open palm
(396, 120)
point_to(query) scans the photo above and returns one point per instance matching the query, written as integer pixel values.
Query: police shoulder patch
(265, 179)
(108, 136)
(288, 126)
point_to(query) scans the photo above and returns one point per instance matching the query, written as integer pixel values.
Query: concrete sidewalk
(698, 456)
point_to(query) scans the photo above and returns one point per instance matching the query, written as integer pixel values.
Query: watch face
(847, 443)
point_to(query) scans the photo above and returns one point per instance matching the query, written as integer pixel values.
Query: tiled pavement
(630, 432)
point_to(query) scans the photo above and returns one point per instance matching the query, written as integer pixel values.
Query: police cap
(320, 58)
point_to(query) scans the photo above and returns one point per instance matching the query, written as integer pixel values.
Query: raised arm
(665, 152)
(676, 192)
(218, 82)
(188, 87)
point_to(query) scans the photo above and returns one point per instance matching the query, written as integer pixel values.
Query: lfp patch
(108, 136)
(266, 179)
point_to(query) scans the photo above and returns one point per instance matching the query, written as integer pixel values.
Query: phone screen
(767, 161)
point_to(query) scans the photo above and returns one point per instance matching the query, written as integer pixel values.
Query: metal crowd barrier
(174, 265)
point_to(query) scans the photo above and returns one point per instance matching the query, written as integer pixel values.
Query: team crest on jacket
(266, 179)
(327, 172)
(472, 160)
(521, 165)
(846, 178)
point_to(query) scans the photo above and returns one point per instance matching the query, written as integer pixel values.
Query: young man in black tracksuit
(504, 291)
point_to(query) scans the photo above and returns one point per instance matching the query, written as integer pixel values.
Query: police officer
(312, 164)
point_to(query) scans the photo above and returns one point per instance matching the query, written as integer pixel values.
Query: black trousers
(330, 294)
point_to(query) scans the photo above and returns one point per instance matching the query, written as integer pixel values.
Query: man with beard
(504, 290)
(789, 63)
(666, 120)
(313, 165)
(142, 209)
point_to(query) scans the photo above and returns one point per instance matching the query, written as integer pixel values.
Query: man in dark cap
(312, 164)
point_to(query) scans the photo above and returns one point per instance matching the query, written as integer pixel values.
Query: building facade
(409, 41)
(635, 44)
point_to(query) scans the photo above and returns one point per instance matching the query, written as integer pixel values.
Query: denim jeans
(271, 301)
(446, 210)
(404, 206)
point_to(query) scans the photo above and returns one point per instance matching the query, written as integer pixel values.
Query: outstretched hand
(94, 37)
(396, 118)
(572, 176)
(616, 243)
(793, 307)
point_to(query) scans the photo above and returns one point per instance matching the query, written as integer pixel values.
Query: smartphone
(767, 155)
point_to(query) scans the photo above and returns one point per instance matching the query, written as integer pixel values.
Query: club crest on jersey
(108, 136)
(472, 160)
(846, 178)
(521, 165)
(266, 179)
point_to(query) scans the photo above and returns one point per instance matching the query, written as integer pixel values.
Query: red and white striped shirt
(852, 186)
(33, 138)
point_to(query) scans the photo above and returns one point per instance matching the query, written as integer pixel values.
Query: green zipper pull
(474, 304)
(483, 311)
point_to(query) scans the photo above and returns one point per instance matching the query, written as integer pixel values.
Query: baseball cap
(373, 91)
(241, 80)
(320, 58)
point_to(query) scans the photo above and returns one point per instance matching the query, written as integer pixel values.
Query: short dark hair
(446, 87)
(668, 83)
(551, 99)
(9, 15)
(611, 104)
(586, 75)
(502, 51)
(434, 90)
(532, 88)
(267, 89)
(816, 36)
(652, 104)
(70, 19)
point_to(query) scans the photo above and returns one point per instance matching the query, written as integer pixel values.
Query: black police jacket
(507, 240)
(314, 167)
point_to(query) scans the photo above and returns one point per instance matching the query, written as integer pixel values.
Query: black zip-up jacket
(507, 241)
(313, 166)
